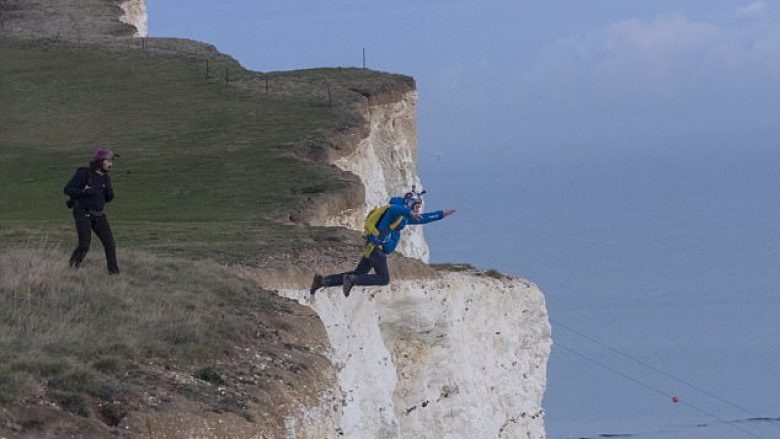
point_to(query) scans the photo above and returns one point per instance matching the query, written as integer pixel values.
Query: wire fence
(216, 67)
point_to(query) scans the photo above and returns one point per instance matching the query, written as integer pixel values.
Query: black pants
(376, 260)
(85, 223)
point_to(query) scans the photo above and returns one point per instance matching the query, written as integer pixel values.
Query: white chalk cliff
(386, 162)
(462, 354)
(134, 14)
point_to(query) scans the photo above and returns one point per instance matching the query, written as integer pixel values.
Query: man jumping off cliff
(382, 234)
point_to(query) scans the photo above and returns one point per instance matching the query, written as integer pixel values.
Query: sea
(661, 273)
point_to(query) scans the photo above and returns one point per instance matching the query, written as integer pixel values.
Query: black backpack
(71, 202)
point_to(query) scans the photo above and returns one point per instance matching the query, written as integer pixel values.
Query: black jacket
(93, 198)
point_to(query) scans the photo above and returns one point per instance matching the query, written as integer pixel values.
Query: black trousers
(85, 223)
(376, 260)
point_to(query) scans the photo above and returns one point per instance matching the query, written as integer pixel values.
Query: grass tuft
(458, 267)
(495, 274)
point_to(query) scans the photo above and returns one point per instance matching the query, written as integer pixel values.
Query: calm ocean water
(670, 259)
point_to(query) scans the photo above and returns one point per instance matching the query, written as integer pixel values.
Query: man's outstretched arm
(429, 217)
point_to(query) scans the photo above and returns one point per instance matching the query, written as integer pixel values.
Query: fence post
(330, 98)
(266, 85)
(207, 69)
(364, 57)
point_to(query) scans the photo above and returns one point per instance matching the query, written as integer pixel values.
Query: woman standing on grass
(89, 190)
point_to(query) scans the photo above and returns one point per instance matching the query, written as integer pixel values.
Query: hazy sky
(546, 79)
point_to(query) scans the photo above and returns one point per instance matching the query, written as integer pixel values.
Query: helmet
(103, 153)
(413, 197)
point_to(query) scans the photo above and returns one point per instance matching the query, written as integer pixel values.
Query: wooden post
(330, 98)
(207, 69)
(364, 57)
(266, 85)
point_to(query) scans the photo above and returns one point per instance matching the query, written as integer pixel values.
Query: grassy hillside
(202, 163)
(206, 172)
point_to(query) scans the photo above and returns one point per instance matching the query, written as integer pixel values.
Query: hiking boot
(349, 282)
(316, 284)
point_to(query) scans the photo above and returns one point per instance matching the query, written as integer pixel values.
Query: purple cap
(103, 153)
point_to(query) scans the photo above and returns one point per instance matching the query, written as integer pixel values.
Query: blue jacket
(389, 238)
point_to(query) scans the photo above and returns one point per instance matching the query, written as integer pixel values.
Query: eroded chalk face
(462, 354)
(135, 14)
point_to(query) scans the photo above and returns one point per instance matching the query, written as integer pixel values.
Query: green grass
(191, 148)
(234, 242)
(201, 162)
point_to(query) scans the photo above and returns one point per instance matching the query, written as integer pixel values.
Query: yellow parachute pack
(370, 226)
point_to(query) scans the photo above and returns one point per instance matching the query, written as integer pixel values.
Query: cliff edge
(83, 20)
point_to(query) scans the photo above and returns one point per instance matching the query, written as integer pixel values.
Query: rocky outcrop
(80, 20)
(459, 356)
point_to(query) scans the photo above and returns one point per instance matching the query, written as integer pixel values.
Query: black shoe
(349, 282)
(112, 272)
(316, 284)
